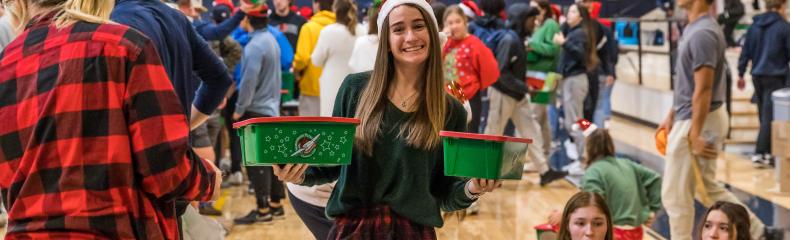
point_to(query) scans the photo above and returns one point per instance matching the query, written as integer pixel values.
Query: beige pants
(309, 105)
(677, 191)
(504, 108)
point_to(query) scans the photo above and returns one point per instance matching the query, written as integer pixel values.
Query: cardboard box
(780, 139)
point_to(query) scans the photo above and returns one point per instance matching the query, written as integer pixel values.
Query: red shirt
(93, 142)
(469, 62)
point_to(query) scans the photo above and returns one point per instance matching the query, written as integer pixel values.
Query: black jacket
(574, 53)
(511, 55)
(767, 46)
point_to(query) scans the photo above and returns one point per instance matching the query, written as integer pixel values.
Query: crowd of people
(126, 132)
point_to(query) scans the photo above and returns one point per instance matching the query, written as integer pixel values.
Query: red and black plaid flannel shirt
(93, 140)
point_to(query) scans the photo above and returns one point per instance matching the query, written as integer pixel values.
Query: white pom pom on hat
(389, 5)
(585, 126)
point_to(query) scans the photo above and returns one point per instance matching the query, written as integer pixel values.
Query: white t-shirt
(364, 55)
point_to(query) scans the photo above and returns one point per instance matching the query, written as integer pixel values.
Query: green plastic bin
(317, 141)
(483, 156)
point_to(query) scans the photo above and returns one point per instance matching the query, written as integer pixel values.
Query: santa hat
(227, 3)
(585, 126)
(389, 5)
(470, 8)
(261, 11)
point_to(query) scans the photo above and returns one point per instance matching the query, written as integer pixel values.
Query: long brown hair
(598, 145)
(738, 216)
(422, 129)
(346, 14)
(69, 11)
(588, 25)
(546, 6)
(580, 200)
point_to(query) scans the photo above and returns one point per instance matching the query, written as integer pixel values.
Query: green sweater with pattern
(408, 180)
(631, 190)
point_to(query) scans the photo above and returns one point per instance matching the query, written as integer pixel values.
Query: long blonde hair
(69, 11)
(422, 129)
(346, 14)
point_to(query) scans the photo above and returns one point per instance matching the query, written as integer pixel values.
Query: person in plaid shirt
(94, 139)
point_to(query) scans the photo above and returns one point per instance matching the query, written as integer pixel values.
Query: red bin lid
(295, 119)
(483, 137)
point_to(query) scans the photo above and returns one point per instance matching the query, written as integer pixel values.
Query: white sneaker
(473, 209)
(574, 169)
(224, 164)
(759, 161)
(235, 179)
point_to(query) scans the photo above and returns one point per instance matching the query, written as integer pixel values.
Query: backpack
(489, 36)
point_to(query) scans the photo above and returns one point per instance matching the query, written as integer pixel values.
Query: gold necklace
(404, 101)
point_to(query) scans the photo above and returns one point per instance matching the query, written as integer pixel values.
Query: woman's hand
(480, 186)
(292, 173)
(559, 39)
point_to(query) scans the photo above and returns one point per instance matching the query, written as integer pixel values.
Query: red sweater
(469, 62)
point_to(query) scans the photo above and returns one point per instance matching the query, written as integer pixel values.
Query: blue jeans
(603, 110)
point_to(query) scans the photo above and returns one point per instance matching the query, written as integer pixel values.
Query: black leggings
(314, 217)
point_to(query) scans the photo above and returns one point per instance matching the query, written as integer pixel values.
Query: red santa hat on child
(470, 8)
(585, 126)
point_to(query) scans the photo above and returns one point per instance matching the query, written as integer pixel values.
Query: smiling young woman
(395, 184)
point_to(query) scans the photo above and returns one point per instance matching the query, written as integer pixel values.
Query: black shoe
(551, 176)
(773, 233)
(209, 210)
(277, 213)
(253, 217)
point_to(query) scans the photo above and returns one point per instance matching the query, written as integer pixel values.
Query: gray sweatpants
(504, 108)
(574, 90)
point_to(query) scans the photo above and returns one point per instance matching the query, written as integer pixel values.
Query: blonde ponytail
(69, 11)
(94, 11)
(346, 13)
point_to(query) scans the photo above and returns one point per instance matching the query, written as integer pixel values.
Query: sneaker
(209, 210)
(277, 213)
(551, 176)
(224, 164)
(473, 209)
(757, 160)
(254, 217)
(235, 179)
(574, 169)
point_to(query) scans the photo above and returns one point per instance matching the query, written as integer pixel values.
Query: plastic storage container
(483, 156)
(318, 141)
(781, 100)
(546, 85)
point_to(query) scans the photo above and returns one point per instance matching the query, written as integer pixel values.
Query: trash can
(781, 100)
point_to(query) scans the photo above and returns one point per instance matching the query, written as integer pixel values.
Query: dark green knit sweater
(410, 181)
